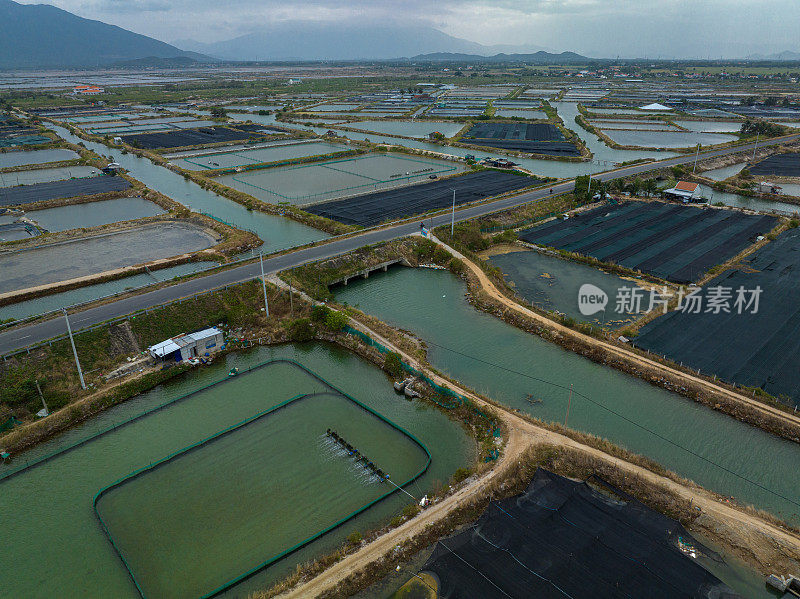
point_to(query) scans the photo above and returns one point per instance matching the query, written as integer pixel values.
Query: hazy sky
(602, 28)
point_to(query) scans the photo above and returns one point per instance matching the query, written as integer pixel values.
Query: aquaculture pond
(277, 233)
(45, 175)
(210, 514)
(338, 177)
(93, 255)
(225, 158)
(515, 368)
(722, 173)
(711, 126)
(93, 214)
(604, 156)
(64, 299)
(667, 139)
(740, 201)
(9, 159)
(554, 284)
(408, 128)
(520, 114)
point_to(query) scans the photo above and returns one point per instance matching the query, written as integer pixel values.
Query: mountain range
(342, 41)
(43, 36)
(540, 57)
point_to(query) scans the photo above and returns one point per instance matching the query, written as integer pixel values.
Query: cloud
(597, 27)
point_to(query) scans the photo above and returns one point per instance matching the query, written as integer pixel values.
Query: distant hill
(786, 55)
(314, 41)
(43, 36)
(540, 57)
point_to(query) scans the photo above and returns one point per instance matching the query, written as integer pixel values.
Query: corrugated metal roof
(686, 186)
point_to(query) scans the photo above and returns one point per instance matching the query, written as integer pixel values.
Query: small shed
(767, 187)
(683, 191)
(184, 347)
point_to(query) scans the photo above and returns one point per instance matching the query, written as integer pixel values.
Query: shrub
(301, 330)
(411, 510)
(509, 236)
(393, 364)
(456, 266)
(320, 313)
(355, 538)
(461, 474)
(336, 321)
(793, 223)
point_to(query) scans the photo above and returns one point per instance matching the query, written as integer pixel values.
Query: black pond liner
(565, 539)
(67, 188)
(193, 137)
(783, 165)
(759, 350)
(675, 242)
(374, 208)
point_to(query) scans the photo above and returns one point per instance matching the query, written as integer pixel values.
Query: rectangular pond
(273, 153)
(314, 182)
(93, 214)
(711, 126)
(274, 476)
(56, 301)
(418, 129)
(668, 139)
(373, 208)
(759, 349)
(521, 114)
(672, 241)
(553, 284)
(21, 158)
(93, 255)
(46, 175)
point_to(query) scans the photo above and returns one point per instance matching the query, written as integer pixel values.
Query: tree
(336, 321)
(218, 112)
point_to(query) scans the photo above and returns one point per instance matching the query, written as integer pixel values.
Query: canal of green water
(514, 367)
(263, 487)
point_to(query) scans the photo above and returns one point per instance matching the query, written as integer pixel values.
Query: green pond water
(553, 284)
(265, 485)
(510, 365)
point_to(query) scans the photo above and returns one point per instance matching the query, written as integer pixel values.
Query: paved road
(19, 338)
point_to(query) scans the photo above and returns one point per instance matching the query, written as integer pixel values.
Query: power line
(625, 418)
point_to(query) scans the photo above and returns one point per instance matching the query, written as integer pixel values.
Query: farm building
(184, 347)
(683, 191)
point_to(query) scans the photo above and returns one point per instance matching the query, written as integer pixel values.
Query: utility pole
(696, 156)
(74, 351)
(569, 401)
(291, 299)
(453, 217)
(755, 146)
(39, 389)
(263, 283)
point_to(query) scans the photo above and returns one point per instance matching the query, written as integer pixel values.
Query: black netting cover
(564, 538)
